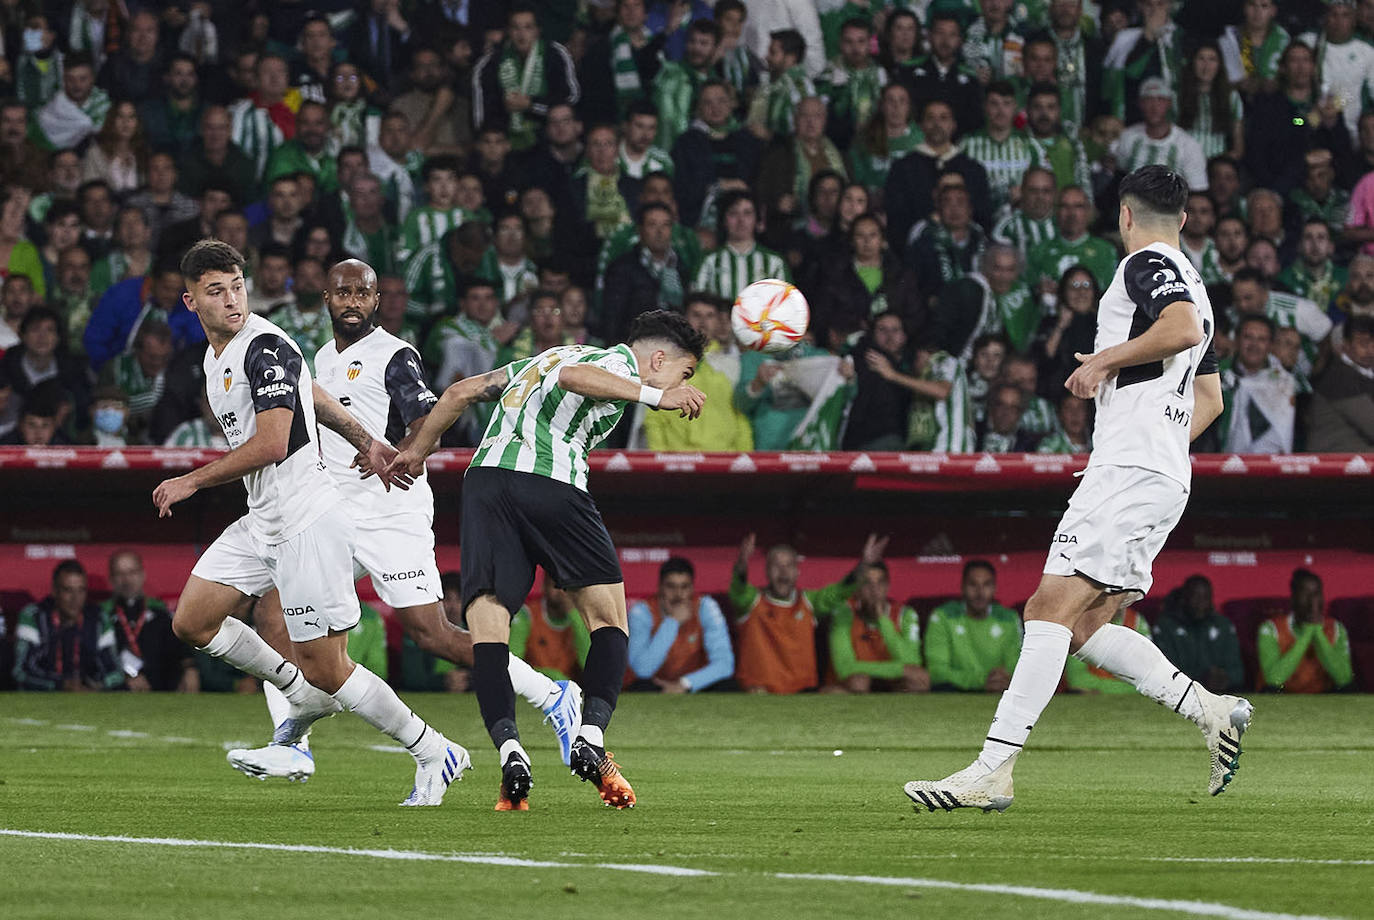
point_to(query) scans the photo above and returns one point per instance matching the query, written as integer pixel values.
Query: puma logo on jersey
(1165, 273)
(271, 351)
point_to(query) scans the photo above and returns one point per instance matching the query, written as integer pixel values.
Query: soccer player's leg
(603, 609)
(1143, 508)
(497, 576)
(1051, 614)
(399, 557)
(210, 615)
(291, 721)
(314, 573)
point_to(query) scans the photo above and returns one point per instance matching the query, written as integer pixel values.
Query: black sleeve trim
(1153, 281)
(273, 368)
(409, 394)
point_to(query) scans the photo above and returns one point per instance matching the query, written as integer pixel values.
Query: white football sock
(237, 644)
(509, 746)
(536, 689)
(592, 734)
(1032, 686)
(277, 706)
(1139, 662)
(378, 705)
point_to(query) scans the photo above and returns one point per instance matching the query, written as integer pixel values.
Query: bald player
(381, 381)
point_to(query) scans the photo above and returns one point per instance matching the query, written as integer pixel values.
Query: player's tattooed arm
(373, 455)
(455, 401)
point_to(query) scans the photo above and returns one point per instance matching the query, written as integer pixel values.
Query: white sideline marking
(125, 733)
(1063, 895)
(404, 855)
(1067, 895)
(75, 728)
(1208, 860)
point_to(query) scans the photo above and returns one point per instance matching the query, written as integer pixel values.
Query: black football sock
(495, 696)
(603, 674)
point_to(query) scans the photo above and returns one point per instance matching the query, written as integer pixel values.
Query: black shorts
(512, 522)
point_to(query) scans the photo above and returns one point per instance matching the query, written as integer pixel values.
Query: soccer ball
(770, 316)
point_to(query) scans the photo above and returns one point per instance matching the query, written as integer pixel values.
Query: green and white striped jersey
(538, 427)
(726, 272)
(1004, 161)
(1016, 229)
(1176, 150)
(1204, 129)
(954, 415)
(426, 225)
(254, 132)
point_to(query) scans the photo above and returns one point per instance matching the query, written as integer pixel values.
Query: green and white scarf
(668, 277)
(606, 207)
(348, 122)
(1018, 310)
(831, 396)
(735, 65)
(528, 80)
(623, 70)
(833, 160)
(1071, 73)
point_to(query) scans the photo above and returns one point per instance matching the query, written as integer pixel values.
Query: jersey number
(529, 377)
(1188, 372)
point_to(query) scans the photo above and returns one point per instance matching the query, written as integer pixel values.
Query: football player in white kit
(1154, 376)
(381, 381)
(295, 536)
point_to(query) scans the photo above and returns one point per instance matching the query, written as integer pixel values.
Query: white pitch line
(1066, 895)
(1063, 895)
(1208, 860)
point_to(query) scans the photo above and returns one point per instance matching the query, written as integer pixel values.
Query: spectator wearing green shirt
(549, 634)
(1304, 651)
(1199, 641)
(367, 641)
(873, 645)
(1073, 246)
(1313, 274)
(973, 643)
(305, 319)
(307, 152)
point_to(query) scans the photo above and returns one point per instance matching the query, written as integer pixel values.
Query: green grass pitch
(1110, 800)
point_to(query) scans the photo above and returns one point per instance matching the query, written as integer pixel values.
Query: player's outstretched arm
(373, 455)
(1207, 403)
(596, 383)
(455, 401)
(1176, 330)
(267, 445)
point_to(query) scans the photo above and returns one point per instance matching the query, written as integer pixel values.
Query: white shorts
(397, 551)
(313, 571)
(1117, 522)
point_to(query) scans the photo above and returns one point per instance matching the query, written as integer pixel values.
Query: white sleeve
(1311, 321)
(808, 23)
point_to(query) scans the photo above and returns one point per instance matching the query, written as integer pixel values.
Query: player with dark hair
(525, 503)
(296, 535)
(1154, 376)
(381, 380)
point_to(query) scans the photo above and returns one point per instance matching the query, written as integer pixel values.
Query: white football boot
(434, 775)
(971, 787)
(289, 761)
(1224, 720)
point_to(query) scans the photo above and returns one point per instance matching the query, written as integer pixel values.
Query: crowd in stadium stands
(937, 176)
(848, 637)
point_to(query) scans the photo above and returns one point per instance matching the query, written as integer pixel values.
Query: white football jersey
(380, 380)
(1145, 413)
(261, 369)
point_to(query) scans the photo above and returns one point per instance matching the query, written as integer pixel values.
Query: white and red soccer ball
(770, 316)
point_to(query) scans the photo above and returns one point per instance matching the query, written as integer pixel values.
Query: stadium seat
(1247, 615)
(1357, 613)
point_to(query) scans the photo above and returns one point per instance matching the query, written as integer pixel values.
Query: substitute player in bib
(525, 503)
(381, 380)
(1154, 375)
(295, 536)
